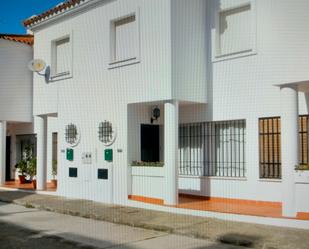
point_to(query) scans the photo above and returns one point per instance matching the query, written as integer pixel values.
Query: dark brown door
(150, 143)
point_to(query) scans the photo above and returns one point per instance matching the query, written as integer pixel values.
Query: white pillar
(289, 148)
(41, 130)
(171, 152)
(2, 151)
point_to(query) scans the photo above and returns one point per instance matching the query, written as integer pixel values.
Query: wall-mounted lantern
(155, 114)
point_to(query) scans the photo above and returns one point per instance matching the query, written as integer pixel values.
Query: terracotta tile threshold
(224, 205)
(27, 186)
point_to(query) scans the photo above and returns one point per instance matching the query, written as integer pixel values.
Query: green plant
(31, 169)
(302, 167)
(54, 168)
(22, 167)
(147, 164)
(27, 156)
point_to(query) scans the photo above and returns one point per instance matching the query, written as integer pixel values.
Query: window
(235, 30)
(270, 148)
(71, 134)
(303, 139)
(270, 145)
(124, 42)
(107, 134)
(213, 149)
(61, 57)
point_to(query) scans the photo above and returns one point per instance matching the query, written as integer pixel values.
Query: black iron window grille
(303, 139)
(270, 145)
(71, 134)
(105, 132)
(212, 149)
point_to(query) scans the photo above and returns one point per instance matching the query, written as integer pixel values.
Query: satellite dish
(36, 65)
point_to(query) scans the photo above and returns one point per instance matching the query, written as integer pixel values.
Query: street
(29, 228)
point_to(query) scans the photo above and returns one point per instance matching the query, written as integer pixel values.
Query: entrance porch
(207, 161)
(19, 143)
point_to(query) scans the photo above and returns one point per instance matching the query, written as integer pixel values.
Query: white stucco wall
(238, 88)
(189, 50)
(96, 93)
(243, 88)
(15, 81)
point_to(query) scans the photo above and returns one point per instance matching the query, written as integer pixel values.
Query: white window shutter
(126, 39)
(63, 56)
(235, 30)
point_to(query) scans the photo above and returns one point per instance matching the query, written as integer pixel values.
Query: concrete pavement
(86, 232)
(236, 233)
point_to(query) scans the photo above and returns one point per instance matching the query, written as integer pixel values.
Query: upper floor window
(61, 65)
(235, 30)
(124, 42)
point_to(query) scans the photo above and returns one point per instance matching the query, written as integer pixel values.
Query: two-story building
(153, 100)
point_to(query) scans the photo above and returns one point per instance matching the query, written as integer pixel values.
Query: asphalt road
(28, 228)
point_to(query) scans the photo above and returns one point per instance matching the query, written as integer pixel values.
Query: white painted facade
(15, 100)
(178, 68)
(16, 111)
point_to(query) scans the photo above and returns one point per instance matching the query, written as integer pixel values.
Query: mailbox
(108, 155)
(70, 154)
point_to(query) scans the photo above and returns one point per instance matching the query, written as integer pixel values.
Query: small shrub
(147, 164)
(302, 167)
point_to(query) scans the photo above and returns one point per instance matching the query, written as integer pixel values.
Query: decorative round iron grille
(107, 134)
(71, 134)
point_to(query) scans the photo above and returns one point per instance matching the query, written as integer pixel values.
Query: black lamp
(155, 114)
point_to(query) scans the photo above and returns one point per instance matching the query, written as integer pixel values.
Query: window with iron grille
(106, 132)
(303, 139)
(71, 134)
(212, 149)
(270, 145)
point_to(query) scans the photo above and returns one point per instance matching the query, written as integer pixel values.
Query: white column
(171, 152)
(41, 130)
(2, 151)
(289, 148)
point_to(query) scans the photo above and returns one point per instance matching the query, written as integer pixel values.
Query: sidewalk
(249, 235)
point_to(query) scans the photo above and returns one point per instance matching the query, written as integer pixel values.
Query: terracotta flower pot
(53, 183)
(22, 179)
(34, 184)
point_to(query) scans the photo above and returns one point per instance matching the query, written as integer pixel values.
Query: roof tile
(55, 10)
(27, 39)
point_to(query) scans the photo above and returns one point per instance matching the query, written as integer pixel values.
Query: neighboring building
(230, 79)
(16, 106)
(16, 126)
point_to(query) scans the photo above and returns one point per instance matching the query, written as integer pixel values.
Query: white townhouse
(16, 119)
(153, 100)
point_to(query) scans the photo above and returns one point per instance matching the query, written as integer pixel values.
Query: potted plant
(31, 170)
(22, 170)
(22, 166)
(302, 173)
(54, 173)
